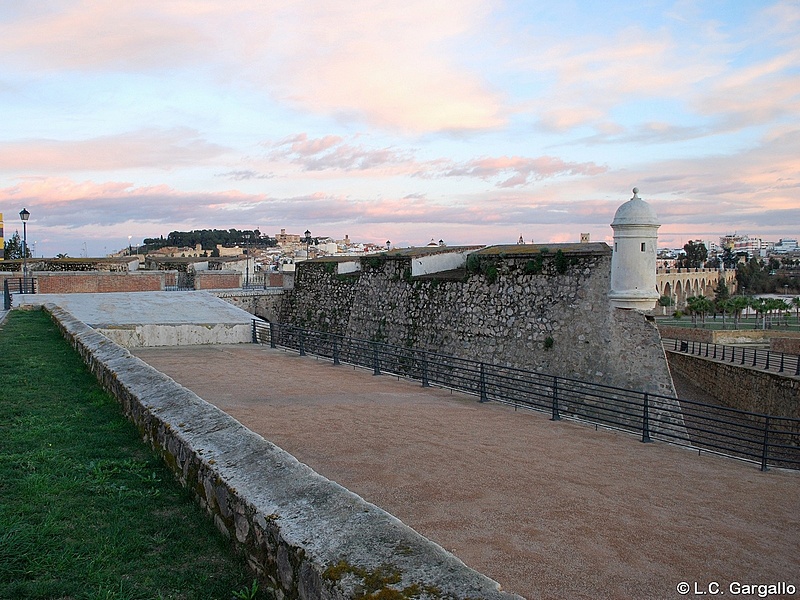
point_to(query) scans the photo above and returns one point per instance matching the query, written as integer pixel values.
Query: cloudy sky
(473, 121)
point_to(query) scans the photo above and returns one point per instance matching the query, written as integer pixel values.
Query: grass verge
(87, 511)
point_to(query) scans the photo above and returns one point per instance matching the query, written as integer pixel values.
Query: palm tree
(698, 305)
(737, 305)
(724, 307)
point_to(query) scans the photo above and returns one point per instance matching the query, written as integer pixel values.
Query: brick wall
(97, 281)
(217, 280)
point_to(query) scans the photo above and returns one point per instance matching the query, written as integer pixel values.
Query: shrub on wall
(561, 262)
(375, 262)
(481, 264)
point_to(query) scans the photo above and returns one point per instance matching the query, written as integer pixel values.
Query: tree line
(756, 276)
(724, 304)
(210, 238)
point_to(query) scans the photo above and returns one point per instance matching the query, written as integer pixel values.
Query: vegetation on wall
(482, 264)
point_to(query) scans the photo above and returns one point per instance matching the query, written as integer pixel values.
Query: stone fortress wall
(535, 307)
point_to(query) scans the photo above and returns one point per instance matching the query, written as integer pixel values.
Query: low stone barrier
(305, 535)
(741, 387)
(726, 336)
(788, 345)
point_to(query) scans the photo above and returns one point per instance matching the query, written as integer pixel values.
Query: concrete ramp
(146, 319)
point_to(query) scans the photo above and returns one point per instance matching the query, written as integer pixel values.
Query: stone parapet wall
(178, 334)
(741, 387)
(265, 304)
(789, 345)
(98, 281)
(303, 534)
(724, 336)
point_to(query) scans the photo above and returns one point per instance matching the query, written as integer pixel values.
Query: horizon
(471, 122)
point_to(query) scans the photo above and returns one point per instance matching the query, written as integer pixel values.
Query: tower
(633, 261)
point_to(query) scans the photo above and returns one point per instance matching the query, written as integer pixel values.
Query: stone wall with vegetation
(304, 535)
(542, 309)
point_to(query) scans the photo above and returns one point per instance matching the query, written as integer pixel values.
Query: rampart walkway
(550, 510)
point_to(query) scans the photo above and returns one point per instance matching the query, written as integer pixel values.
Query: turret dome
(635, 212)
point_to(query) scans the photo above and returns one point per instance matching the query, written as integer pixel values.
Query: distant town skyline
(472, 121)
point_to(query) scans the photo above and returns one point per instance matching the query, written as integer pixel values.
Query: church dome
(635, 212)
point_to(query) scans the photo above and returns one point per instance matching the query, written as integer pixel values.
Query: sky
(470, 121)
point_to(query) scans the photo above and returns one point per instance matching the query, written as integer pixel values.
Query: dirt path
(550, 510)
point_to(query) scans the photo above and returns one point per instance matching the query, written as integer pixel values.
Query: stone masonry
(539, 308)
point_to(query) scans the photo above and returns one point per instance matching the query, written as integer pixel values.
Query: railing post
(425, 382)
(797, 366)
(484, 397)
(676, 345)
(781, 369)
(733, 353)
(723, 353)
(253, 332)
(765, 449)
(556, 416)
(646, 419)
(755, 355)
(272, 341)
(335, 351)
(767, 365)
(376, 363)
(715, 352)
(301, 344)
(706, 350)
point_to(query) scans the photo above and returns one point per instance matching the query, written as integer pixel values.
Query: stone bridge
(680, 284)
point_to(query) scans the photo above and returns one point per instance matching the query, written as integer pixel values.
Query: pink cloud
(153, 148)
(391, 65)
(521, 170)
(386, 64)
(332, 152)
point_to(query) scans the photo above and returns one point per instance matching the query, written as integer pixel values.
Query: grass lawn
(87, 511)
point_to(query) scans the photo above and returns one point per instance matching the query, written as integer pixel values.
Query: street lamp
(308, 242)
(247, 254)
(24, 215)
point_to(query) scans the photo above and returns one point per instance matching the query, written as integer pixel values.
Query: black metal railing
(759, 358)
(17, 285)
(765, 439)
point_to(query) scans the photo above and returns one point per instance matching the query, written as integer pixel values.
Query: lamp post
(308, 243)
(130, 249)
(24, 215)
(247, 254)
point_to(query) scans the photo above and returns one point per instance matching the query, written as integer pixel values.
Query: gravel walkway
(550, 510)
